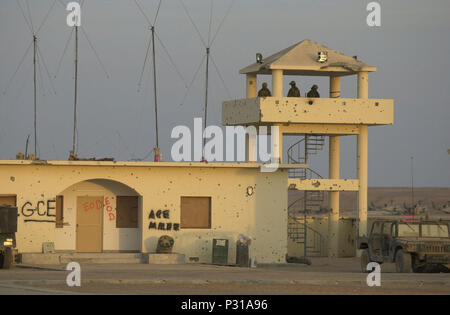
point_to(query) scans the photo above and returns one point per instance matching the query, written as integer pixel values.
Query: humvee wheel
(403, 262)
(365, 260)
(418, 268)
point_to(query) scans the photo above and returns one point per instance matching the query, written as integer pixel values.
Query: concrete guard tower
(333, 117)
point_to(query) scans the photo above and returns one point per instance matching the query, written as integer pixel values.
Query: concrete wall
(308, 110)
(347, 237)
(262, 216)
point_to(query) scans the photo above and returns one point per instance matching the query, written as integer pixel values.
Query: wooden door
(89, 224)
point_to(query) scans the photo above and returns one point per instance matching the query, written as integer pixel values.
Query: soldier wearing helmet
(313, 92)
(264, 92)
(293, 91)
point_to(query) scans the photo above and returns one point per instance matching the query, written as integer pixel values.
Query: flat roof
(147, 164)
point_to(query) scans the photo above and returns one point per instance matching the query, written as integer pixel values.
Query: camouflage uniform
(264, 92)
(293, 91)
(313, 92)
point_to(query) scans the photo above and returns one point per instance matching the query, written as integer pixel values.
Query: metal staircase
(300, 152)
(298, 230)
(311, 202)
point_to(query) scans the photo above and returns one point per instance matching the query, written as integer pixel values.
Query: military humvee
(414, 245)
(8, 228)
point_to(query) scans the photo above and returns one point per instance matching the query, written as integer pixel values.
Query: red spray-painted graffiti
(109, 209)
(93, 205)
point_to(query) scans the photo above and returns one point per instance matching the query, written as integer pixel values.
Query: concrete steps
(86, 258)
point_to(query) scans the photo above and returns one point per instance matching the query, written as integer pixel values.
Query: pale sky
(410, 50)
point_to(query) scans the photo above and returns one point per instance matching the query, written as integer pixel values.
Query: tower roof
(301, 59)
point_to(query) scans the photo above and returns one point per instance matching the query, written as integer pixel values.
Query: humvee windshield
(408, 230)
(428, 230)
(434, 230)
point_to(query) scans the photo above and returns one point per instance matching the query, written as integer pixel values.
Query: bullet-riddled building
(105, 206)
(93, 207)
(312, 120)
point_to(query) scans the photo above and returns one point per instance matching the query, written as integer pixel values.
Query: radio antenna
(207, 45)
(75, 29)
(37, 58)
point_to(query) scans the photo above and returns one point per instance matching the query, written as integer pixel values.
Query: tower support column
(277, 83)
(251, 147)
(277, 91)
(333, 215)
(280, 144)
(362, 177)
(251, 143)
(362, 158)
(252, 87)
(334, 173)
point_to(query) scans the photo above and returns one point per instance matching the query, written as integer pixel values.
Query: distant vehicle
(412, 244)
(8, 228)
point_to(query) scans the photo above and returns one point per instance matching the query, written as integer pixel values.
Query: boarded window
(9, 200)
(127, 212)
(195, 213)
(59, 212)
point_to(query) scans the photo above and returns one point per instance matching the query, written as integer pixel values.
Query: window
(127, 212)
(387, 229)
(376, 228)
(195, 213)
(59, 212)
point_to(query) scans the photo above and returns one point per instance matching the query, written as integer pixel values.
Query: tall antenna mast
(76, 27)
(208, 46)
(35, 93)
(412, 185)
(75, 94)
(37, 57)
(157, 150)
(26, 147)
(207, 43)
(206, 94)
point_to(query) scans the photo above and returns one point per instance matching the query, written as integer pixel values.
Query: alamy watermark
(74, 17)
(74, 277)
(374, 17)
(374, 277)
(213, 148)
